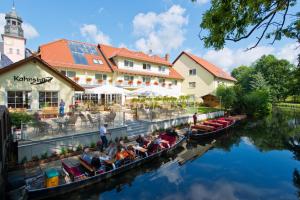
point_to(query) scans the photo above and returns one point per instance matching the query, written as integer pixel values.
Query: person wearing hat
(103, 132)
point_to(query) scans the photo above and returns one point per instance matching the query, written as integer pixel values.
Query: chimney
(167, 57)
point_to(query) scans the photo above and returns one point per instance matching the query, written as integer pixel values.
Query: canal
(255, 160)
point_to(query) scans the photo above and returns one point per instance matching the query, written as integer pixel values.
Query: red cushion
(74, 171)
(169, 138)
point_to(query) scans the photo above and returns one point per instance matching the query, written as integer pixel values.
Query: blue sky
(164, 26)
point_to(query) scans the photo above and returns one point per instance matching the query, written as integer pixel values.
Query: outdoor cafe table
(60, 124)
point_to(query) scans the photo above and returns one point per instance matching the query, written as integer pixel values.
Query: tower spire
(13, 7)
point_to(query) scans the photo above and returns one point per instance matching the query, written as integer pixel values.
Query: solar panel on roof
(83, 48)
(79, 58)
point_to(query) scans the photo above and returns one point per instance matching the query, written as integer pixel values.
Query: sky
(162, 26)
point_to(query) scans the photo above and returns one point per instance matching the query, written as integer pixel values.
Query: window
(48, 99)
(128, 63)
(146, 79)
(18, 51)
(128, 78)
(97, 61)
(146, 66)
(100, 76)
(192, 72)
(79, 58)
(14, 23)
(162, 68)
(63, 72)
(192, 84)
(10, 50)
(161, 80)
(18, 99)
(174, 82)
(71, 74)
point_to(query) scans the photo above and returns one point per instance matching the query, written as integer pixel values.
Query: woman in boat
(122, 157)
(111, 149)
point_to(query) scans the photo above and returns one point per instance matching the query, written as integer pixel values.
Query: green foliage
(235, 20)
(24, 160)
(93, 145)
(35, 158)
(257, 103)
(258, 82)
(20, 117)
(79, 147)
(44, 156)
(227, 96)
(63, 151)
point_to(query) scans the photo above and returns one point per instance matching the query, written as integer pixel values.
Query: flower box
(130, 82)
(120, 81)
(163, 84)
(147, 83)
(76, 79)
(100, 81)
(139, 82)
(155, 83)
(88, 79)
(170, 84)
(110, 80)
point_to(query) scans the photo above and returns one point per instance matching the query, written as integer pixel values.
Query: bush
(257, 103)
(63, 151)
(24, 160)
(79, 147)
(20, 117)
(227, 96)
(93, 145)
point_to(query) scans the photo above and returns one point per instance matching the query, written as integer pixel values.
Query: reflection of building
(200, 77)
(12, 49)
(94, 65)
(33, 84)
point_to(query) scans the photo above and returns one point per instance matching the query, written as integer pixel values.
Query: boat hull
(69, 187)
(211, 134)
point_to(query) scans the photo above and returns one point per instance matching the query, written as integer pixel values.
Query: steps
(137, 128)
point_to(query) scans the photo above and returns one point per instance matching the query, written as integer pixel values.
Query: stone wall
(29, 149)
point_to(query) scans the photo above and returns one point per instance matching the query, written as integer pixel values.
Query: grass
(201, 110)
(289, 105)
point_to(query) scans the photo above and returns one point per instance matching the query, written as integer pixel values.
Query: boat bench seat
(169, 138)
(73, 170)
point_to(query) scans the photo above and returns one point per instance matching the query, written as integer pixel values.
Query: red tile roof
(58, 54)
(110, 52)
(216, 71)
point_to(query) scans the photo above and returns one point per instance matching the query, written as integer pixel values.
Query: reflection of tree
(296, 181)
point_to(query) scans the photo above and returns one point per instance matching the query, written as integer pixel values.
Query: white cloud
(93, 34)
(122, 45)
(30, 31)
(289, 52)
(228, 58)
(160, 32)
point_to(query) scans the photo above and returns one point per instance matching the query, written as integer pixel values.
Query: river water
(255, 160)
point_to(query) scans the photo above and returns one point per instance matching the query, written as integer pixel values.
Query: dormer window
(128, 63)
(97, 61)
(146, 66)
(162, 68)
(192, 72)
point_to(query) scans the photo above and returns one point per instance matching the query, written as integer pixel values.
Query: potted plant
(76, 78)
(139, 82)
(120, 81)
(88, 79)
(148, 83)
(19, 118)
(155, 83)
(130, 82)
(100, 81)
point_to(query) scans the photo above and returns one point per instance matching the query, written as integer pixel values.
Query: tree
(226, 95)
(277, 73)
(257, 103)
(258, 82)
(235, 20)
(243, 76)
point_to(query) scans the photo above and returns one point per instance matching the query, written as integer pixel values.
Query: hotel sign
(33, 80)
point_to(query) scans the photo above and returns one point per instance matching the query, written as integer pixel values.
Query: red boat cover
(73, 170)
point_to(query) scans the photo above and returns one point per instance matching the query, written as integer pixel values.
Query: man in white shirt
(103, 132)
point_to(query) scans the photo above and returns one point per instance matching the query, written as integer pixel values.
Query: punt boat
(36, 186)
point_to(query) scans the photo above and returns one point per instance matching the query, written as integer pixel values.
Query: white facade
(14, 47)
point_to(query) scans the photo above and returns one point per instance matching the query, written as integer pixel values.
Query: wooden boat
(211, 128)
(80, 182)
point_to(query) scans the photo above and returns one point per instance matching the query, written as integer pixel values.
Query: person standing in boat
(195, 118)
(103, 132)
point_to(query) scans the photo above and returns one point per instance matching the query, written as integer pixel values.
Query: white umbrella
(106, 89)
(154, 91)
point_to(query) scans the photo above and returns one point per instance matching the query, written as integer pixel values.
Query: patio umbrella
(106, 89)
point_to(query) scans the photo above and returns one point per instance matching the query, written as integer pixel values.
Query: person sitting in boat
(111, 149)
(161, 143)
(140, 140)
(122, 157)
(85, 156)
(131, 152)
(171, 132)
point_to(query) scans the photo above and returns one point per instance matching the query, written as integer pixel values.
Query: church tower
(13, 37)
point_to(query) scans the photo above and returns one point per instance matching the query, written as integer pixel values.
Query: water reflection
(255, 160)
